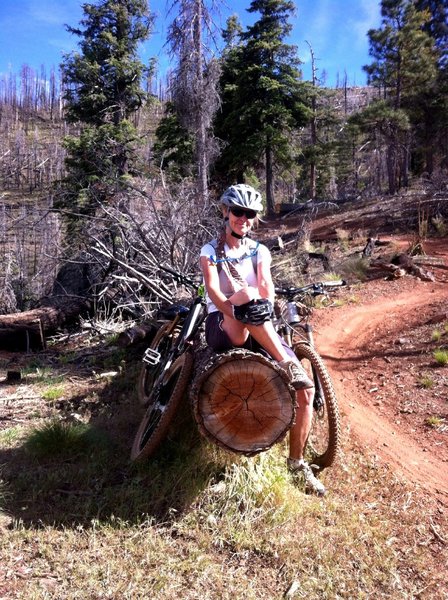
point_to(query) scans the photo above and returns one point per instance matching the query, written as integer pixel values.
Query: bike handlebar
(315, 289)
(180, 277)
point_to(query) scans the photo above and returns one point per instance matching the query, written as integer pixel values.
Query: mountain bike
(168, 364)
(166, 370)
(292, 311)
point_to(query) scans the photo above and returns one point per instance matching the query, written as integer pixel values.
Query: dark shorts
(219, 340)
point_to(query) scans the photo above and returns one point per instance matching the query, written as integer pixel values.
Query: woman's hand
(246, 294)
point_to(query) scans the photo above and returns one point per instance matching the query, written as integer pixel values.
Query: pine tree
(173, 150)
(102, 89)
(404, 66)
(432, 133)
(262, 95)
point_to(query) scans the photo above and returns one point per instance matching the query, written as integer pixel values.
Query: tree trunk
(391, 168)
(270, 203)
(27, 331)
(313, 129)
(201, 131)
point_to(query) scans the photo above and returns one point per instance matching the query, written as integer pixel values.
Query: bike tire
(162, 342)
(163, 404)
(324, 439)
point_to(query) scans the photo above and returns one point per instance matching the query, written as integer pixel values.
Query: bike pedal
(151, 357)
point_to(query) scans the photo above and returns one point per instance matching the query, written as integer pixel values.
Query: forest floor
(378, 339)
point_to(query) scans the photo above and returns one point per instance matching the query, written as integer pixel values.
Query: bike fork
(309, 333)
(319, 401)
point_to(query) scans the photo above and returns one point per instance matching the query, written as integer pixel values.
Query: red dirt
(377, 351)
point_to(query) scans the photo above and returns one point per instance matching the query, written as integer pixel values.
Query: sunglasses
(239, 212)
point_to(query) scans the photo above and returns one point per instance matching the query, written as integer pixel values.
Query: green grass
(441, 357)
(440, 225)
(9, 436)
(354, 268)
(436, 335)
(53, 393)
(435, 421)
(78, 520)
(205, 524)
(59, 438)
(427, 382)
(331, 277)
(39, 374)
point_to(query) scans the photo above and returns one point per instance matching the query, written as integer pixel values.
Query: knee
(238, 338)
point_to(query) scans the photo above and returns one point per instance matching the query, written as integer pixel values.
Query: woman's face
(240, 220)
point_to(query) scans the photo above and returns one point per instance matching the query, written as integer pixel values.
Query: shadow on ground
(97, 481)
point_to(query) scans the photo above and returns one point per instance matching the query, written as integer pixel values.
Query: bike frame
(191, 322)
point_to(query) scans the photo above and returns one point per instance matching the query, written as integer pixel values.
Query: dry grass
(203, 524)
(79, 521)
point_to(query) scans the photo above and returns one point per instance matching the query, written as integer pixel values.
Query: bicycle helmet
(242, 195)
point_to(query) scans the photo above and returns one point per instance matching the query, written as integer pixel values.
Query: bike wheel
(325, 436)
(164, 401)
(161, 343)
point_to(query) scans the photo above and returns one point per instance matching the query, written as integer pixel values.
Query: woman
(240, 295)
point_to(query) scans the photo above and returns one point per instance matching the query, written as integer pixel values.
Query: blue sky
(33, 33)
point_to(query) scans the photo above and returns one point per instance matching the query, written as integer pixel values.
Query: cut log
(68, 300)
(242, 401)
(382, 265)
(28, 330)
(402, 264)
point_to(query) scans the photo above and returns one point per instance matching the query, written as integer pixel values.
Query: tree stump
(242, 401)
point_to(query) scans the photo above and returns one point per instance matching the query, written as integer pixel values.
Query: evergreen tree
(173, 150)
(432, 134)
(437, 26)
(102, 90)
(404, 66)
(263, 99)
(317, 142)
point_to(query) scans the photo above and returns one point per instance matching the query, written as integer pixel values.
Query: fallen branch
(401, 265)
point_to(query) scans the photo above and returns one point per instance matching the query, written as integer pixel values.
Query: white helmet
(242, 195)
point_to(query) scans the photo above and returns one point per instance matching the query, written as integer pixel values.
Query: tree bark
(269, 181)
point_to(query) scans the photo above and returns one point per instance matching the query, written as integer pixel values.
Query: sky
(32, 32)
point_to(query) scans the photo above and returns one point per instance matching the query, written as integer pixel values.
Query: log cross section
(242, 401)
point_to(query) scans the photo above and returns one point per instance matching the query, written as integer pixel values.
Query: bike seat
(170, 312)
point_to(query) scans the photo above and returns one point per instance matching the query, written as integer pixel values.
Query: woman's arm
(219, 299)
(211, 281)
(264, 278)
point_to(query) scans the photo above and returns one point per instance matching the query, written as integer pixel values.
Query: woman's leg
(264, 334)
(300, 431)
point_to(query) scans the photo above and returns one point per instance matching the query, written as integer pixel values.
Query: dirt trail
(344, 339)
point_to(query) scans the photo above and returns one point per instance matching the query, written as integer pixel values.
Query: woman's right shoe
(312, 483)
(297, 375)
